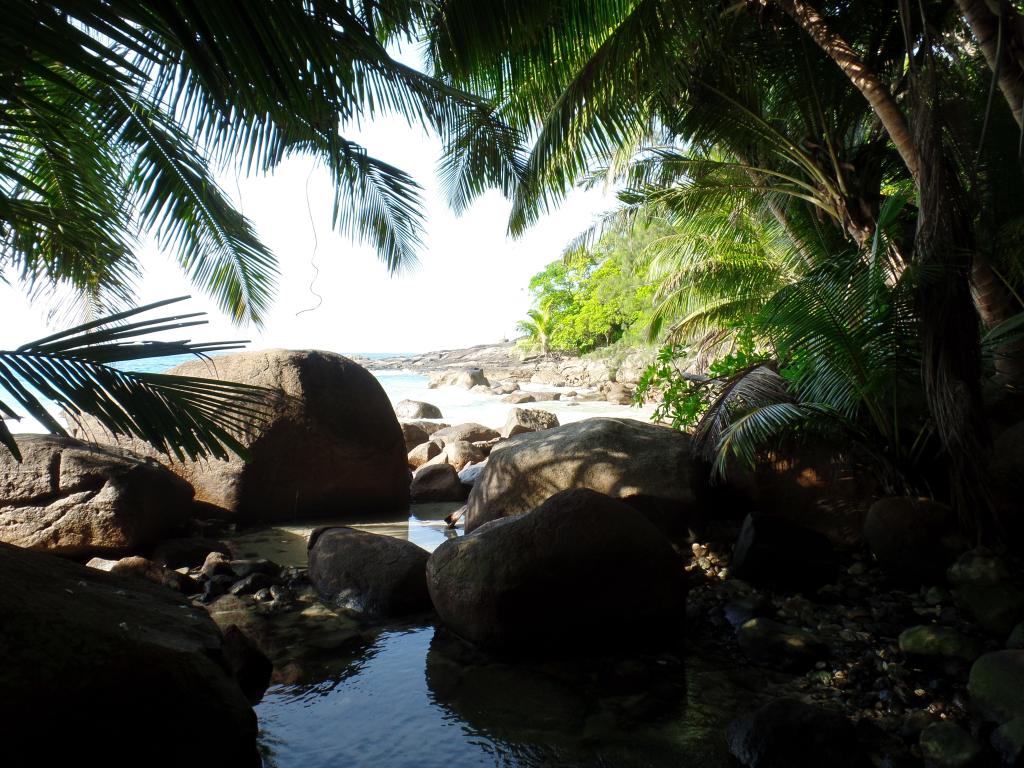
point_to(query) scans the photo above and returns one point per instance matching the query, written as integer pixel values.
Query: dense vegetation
(841, 180)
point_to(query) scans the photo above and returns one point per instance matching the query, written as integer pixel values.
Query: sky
(469, 288)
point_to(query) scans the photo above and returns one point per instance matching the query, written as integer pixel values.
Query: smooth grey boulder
(374, 575)
(81, 500)
(416, 409)
(580, 572)
(90, 650)
(522, 420)
(332, 445)
(622, 458)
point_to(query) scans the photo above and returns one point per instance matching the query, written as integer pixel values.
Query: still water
(412, 695)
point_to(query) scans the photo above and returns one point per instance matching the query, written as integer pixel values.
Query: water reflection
(286, 544)
(419, 697)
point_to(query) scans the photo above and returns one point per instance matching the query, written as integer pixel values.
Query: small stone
(947, 745)
(936, 596)
(101, 564)
(741, 610)
(262, 596)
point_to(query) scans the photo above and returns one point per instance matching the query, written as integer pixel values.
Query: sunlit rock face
(332, 445)
(581, 571)
(81, 500)
(622, 458)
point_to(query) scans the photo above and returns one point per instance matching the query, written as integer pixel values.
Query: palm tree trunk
(1004, 56)
(864, 80)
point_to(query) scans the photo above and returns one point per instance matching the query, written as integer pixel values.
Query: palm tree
(112, 115)
(822, 111)
(538, 328)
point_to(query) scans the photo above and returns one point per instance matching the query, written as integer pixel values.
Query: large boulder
(332, 446)
(622, 458)
(416, 409)
(80, 500)
(374, 575)
(522, 420)
(915, 540)
(580, 571)
(102, 669)
(423, 453)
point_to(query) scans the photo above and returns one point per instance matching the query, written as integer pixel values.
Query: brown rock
(517, 398)
(522, 420)
(333, 444)
(423, 453)
(461, 453)
(141, 568)
(414, 435)
(470, 432)
(415, 409)
(437, 482)
(546, 581)
(620, 457)
(375, 575)
(75, 499)
(86, 649)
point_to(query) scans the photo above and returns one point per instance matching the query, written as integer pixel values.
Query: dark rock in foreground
(622, 458)
(915, 540)
(377, 576)
(580, 571)
(774, 551)
(101, 669)
(81, 500)
(788, 733)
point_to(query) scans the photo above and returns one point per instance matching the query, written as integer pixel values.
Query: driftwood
(455, 516)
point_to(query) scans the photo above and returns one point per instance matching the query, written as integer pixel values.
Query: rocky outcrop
(653, 466)
(415, 409)
(437, 482)
(80, 500)
(85, 650)
(522, 420)
(332, 445)
(580, 571)
(466, 378)
(373, 575)
(470, 432)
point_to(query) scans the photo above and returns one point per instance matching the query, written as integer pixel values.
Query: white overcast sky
(469, 288)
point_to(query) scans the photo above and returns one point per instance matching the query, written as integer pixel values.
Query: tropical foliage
(838, 174)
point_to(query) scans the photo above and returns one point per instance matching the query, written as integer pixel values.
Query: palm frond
(75, 371)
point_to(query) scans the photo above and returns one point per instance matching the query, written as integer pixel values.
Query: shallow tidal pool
(413, 695)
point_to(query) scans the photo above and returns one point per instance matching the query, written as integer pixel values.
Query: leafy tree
(817, 115)
(539, 329)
